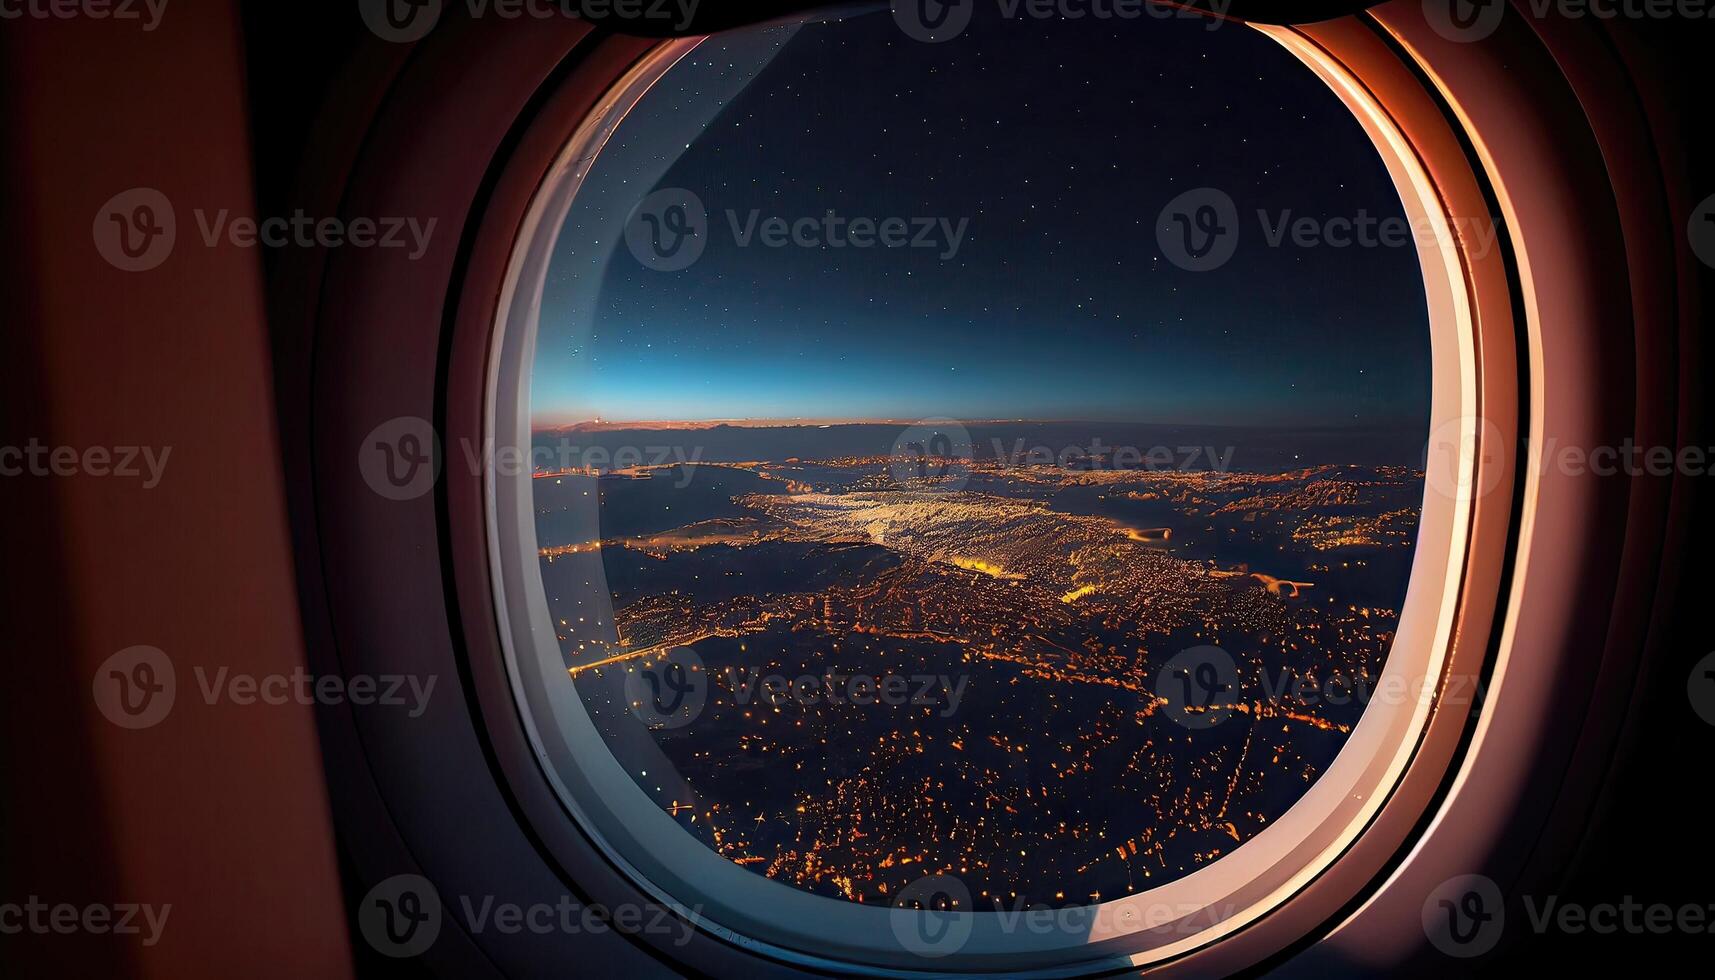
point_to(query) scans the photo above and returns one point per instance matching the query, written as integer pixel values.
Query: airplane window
(971, 477)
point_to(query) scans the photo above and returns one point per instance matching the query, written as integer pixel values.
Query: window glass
(996, 458)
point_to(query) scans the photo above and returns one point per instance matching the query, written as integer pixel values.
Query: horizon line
(542, 425)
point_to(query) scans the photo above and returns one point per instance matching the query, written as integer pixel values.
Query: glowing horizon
(543, 423)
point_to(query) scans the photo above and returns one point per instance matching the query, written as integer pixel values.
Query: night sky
(1060, 141)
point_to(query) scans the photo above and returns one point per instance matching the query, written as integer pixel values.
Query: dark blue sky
(1060, 142)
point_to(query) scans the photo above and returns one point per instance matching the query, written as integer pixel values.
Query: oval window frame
(1327, 820)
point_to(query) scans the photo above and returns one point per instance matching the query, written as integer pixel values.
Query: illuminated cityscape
(980, 654)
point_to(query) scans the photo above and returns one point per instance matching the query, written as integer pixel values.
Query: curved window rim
(775, 919)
